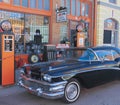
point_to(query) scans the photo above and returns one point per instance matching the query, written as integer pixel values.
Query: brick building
(77, 11)
(55, 19)
(108, 22)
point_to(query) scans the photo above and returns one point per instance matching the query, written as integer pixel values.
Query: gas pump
(7, 72)
(80, 39)
(80, 35)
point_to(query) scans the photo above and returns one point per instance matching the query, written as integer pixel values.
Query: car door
(99, 72)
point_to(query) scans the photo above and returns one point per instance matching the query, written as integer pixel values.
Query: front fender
(67, 77)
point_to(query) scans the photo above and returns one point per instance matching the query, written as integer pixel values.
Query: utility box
(7, 72)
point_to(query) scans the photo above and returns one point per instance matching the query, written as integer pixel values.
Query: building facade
(56, 19)
(77, 11)
(108, 20)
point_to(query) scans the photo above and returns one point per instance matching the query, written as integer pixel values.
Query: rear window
(107, 54)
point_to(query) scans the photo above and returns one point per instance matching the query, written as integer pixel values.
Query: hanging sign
(61, 16)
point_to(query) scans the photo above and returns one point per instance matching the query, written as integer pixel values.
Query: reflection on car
(64, 78)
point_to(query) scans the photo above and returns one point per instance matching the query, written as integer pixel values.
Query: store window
(86, 9)
(26, 25)
(47, 4)
(16, 2)
(110, 24)
(6, 1)
(25, 3)
(83, 9)
(34, 22)
(62, 3)
(63, 32)
(33, 3)
(78, 8)
(40, 2)
(68, 6)
(110, 32)
(73, 7)
(112, 1)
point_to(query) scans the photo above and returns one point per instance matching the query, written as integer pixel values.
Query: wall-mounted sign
(61, 16)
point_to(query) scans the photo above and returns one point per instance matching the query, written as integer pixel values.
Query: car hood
(60, 68)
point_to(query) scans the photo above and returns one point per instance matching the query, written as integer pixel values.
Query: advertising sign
(61, 16)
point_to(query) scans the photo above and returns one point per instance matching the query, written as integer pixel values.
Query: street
(107, 94)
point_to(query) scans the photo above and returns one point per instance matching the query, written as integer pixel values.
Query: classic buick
(64, 78)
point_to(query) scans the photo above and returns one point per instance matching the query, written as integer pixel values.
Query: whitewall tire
(72, 91)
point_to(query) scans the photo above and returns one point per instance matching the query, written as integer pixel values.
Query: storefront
(78, 11)
(56, 20)
(26, 16)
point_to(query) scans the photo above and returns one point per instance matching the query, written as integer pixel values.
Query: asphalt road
(107, 94)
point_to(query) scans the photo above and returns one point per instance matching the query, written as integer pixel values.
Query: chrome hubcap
(72, 91)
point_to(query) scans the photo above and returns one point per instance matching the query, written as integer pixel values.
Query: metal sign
(61, 16)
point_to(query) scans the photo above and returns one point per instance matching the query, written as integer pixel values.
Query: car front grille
(35, 85)
(36, 73)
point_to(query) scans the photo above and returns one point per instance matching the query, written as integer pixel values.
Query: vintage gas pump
(80, 35)
(7, 71)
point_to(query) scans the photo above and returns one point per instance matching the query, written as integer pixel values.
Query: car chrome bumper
(43, 89)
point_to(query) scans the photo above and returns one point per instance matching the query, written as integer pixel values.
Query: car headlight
(47, 77)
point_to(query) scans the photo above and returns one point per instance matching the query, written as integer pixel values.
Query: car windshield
(88, 55)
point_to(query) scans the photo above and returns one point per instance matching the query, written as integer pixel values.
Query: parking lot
(107, 94)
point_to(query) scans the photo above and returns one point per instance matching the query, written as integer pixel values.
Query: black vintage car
(64, 78)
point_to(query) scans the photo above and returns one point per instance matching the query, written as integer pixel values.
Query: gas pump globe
(6, 25)
(7, 71)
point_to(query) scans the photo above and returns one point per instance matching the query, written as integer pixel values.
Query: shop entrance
(110, 36)
(107, 37)
(73, 38)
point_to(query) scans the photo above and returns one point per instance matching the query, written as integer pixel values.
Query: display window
(6, 1)
(76, 7)
(32, 3)
(25, 3)
(24, 26)
(47, 4)
(16, 2)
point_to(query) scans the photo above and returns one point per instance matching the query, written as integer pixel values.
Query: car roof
(106, 48)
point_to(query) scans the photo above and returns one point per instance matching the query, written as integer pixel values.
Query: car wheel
(72, 91)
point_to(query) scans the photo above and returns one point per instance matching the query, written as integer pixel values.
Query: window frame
(17, 4)
(113, 1)
(76, 9)
(25, 5)
(32, 4)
